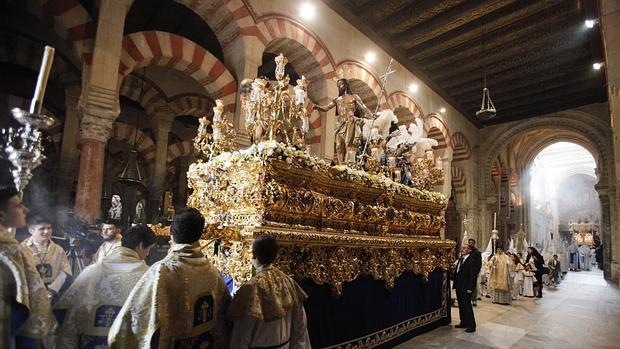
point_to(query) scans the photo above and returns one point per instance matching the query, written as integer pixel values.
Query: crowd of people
(503, 276)
(118, 301)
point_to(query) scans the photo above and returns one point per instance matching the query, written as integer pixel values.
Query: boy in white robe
(88, 308)
(51, 259)
(268, 311)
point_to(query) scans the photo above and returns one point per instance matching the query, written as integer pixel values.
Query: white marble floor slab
(582, 313)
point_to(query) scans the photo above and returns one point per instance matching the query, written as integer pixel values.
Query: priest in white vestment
(268, 311)
(180, 302)
(499, 279)
(111, 234)
(88, 308)
(25, 309)
(584, 257)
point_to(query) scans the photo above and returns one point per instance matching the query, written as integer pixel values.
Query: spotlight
(590, 23)
(413, 88)
(442, 110)
(370, 57)
(597, 66)
(307, 10)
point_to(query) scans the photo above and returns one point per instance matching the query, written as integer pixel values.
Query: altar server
(180, 302)
(268, 311)
(111, 234)
(88, 308)
(25, 309)
(500, 280)
(51, 259)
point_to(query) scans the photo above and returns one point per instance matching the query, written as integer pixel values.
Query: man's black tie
(458, 267)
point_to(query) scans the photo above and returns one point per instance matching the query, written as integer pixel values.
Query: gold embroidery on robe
(499, 278)
(91, 304)
(269, 295)
(105, 249)
(29, 288)
(182, 298)
(50, 261)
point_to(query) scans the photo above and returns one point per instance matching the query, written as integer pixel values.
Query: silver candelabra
(23, 146)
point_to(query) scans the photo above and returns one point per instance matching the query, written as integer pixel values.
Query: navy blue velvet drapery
(366, 309)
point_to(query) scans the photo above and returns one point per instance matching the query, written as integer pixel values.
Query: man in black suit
(464, 284)
(477, 256)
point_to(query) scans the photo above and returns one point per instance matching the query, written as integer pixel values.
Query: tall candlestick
(44, 74)
(494, 220)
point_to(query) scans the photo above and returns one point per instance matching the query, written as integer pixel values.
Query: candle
(494, 220)
(375, 153)
(44, 74)
(392, 161)
(439, 163)
(429, 155)
(397, 175)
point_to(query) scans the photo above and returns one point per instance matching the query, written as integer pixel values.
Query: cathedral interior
(134, 81)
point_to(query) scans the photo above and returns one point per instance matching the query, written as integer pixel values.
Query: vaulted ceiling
(538, 53)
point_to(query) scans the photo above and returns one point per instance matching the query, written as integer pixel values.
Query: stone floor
(583, 312)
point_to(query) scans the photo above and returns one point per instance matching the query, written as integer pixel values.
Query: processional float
(333, 222)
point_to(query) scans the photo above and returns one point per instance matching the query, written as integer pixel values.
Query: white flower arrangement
(270, 150)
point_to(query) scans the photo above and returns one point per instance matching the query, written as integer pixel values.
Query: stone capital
(96, 124)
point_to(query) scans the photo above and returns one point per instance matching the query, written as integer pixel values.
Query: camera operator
(52, 262)
(111, 234)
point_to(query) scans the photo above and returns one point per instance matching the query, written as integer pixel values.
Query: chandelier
(487, 109)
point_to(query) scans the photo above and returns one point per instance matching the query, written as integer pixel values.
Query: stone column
(95, 131)
(99, 105)
(162, 123)
(610, 28)
(69, 152)
(183, 167)
(606, 233)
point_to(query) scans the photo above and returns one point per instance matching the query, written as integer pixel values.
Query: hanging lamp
(131, 175)
(487, 109)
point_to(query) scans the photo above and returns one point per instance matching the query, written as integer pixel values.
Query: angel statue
(416, 137)
(116, 209)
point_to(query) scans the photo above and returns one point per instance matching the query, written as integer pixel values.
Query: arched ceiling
(172, 17)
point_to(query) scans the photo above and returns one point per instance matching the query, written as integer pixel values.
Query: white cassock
(105, 249)
(268, 312)
(584, 257)
(88, 308)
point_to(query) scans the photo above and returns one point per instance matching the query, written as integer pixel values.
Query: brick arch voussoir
(70, 21)
(176, 52)
(400, 98)
(144, 144)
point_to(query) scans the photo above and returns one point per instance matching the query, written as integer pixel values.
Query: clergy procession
(120, 302)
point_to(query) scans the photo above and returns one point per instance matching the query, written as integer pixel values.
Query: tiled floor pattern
(583, 312)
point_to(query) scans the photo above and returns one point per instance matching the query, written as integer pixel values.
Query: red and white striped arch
(190, 104)
(462, 149)
(144, 92)
(400, 98)
(179, 149)
(229, 19)
(436, 129)
(70, 21)
(274, 27)
(459, 181)
(166, 49)
(144, 144)
(359, 71)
